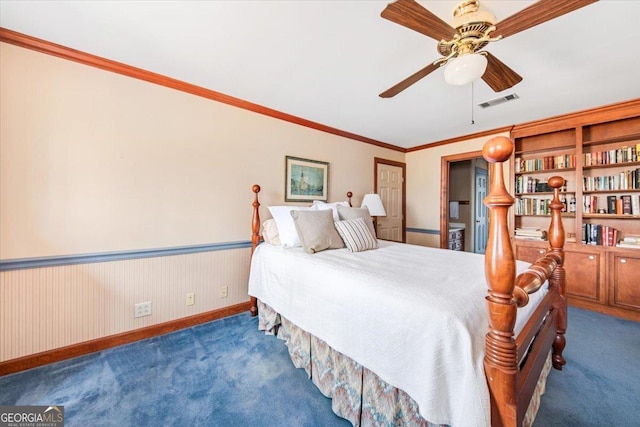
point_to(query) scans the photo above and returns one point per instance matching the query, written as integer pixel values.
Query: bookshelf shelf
(612, 165)
(608, 191)
(612, 140)
(609, 216)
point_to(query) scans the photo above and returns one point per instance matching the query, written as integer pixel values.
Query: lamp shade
(373, 202)
(465, 69)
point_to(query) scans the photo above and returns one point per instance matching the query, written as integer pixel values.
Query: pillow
(270, 232)
(317, 204)
(356, 235)
(286, 227)
(316, 230)
(353, 213)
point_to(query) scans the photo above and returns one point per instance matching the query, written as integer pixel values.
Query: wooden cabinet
(624, 279)
(597, 152)
(456, 240)
(584, 267)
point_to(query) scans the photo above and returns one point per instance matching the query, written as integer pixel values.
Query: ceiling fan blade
(394, 90)
(537, 13)
(410, 14)
(498, 76)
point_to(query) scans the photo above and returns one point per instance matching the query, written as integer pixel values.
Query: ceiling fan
(461, 43)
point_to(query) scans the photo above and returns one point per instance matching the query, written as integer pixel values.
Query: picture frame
(306, 180)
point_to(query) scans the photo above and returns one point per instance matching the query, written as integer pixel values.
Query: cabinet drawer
(529, 253)
(455, 235)
(455, 245)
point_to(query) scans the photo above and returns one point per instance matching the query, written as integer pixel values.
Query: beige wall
(92, 161)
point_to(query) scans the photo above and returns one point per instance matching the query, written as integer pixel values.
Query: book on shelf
(628, 245)
(530, 233)
(626, 204)
(539, 239)
(611, 204)
(631, 239)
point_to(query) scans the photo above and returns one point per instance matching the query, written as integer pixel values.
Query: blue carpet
(222, 373)
(600, 384)
(227, 373)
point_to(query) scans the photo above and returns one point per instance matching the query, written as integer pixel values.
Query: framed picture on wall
(305, 180)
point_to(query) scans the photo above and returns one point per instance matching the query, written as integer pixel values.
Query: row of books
(563, 161)
(600, 235)
(592, 234)
(530, 233)
(619, 205)
(631, 242)
(627, 180)
(608, 157)
(528, 184)
(532, 206)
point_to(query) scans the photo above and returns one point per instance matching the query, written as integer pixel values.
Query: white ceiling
(327, 61)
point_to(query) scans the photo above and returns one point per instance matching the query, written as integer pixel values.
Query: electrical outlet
(142, 309)
(224, 291)
(191, 298)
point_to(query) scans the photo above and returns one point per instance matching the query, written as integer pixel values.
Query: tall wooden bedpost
(556, 243)
(255, 238)
(501, 358)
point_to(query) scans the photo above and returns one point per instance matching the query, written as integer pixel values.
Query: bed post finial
(255, 237)
(501, 357)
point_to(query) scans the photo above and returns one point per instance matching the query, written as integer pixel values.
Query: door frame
(377, 161)
(445, 163)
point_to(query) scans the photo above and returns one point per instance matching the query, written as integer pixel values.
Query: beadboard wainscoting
(51, 307)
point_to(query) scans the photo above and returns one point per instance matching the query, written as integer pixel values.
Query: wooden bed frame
(511, 383)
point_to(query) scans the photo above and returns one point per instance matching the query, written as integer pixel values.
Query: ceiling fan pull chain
(472, 121)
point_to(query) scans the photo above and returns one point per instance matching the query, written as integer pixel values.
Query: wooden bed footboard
(513, 366)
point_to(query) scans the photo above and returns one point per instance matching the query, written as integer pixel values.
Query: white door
(390, 179)
(481, 231)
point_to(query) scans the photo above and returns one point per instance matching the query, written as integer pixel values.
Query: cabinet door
(624, 280)
(583, 272)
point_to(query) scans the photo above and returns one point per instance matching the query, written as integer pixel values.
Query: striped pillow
(356, 235)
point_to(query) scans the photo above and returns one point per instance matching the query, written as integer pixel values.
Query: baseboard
(87, 347)
(604, 309)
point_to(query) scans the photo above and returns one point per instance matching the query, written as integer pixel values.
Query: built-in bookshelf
(598, 155)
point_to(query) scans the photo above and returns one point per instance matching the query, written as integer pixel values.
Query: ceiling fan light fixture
(464, 69)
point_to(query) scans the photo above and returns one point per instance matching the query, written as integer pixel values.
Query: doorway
(462, 211)
(390, 184)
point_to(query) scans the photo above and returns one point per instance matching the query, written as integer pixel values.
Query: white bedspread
(396, 311)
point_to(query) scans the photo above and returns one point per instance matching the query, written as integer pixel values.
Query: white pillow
(356, 234)
(286, 227)
(318, 205)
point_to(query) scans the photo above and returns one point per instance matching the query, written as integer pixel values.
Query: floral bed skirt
(356, 393)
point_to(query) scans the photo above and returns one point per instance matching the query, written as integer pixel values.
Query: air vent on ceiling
(500, 100)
